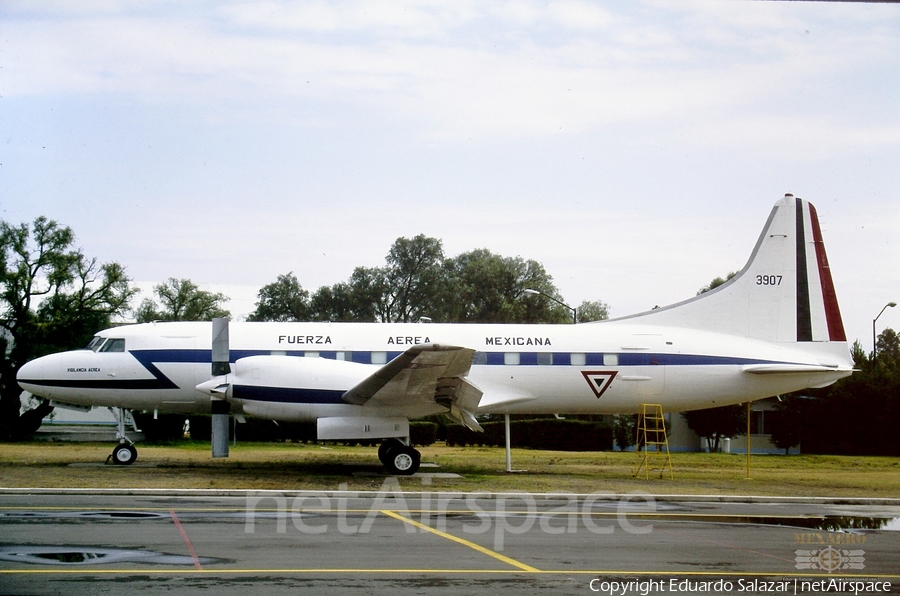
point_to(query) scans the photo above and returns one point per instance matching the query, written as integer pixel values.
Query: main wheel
(385, 449)
(404, 461)
(124, 454)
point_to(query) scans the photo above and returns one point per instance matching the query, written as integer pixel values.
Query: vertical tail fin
(784, 293)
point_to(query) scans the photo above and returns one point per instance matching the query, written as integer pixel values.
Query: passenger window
(479, 358)
(578, 359)
(379, 357)
(511, 358)
(545, 358)
(611, 360)
(113, 345)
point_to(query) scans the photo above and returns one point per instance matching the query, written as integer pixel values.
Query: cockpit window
(113, 345)
(95, 344)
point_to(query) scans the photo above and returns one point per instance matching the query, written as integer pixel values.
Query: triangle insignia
(599, 380)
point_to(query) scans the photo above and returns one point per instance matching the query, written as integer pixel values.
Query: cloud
(456, 71)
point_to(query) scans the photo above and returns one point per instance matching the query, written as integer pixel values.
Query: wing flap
(427, 373)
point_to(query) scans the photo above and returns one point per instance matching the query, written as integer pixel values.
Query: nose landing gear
(125, 452)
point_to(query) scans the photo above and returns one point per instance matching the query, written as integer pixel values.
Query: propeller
(218, 387)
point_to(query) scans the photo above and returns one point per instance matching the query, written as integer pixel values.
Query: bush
(552, 434)
(256, 429)
(422, 434)
(165, 427)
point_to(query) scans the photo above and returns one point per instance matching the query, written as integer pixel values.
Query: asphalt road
(85, 542)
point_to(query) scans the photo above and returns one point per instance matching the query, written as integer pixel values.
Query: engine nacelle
(291, 387)
(297, 372)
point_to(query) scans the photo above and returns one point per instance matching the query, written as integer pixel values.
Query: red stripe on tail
(832, 311)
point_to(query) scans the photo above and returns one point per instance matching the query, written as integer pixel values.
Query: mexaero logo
(599, 380)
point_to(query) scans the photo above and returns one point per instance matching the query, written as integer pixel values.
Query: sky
(634, 149)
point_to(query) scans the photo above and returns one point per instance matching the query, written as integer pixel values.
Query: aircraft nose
(31, 374)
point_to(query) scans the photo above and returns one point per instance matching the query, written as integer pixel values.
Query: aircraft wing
(426, 373)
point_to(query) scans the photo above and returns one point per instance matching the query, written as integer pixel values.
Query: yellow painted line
(597, 572)
(462, 541)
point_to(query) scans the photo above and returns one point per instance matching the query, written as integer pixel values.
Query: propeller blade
(221, 408)
(221, 411)
(220, 350)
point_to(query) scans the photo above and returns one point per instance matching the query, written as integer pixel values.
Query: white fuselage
(593, 368)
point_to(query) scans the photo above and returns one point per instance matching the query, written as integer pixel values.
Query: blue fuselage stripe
(152, 359)
(287, 395)
(156, 357)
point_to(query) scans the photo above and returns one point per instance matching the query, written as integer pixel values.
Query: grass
(187, 464)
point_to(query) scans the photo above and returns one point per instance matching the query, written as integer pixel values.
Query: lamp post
(874, 340)
(537, 293)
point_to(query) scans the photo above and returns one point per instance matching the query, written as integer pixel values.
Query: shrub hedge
(552, 434)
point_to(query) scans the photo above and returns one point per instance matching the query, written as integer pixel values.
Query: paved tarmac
(392, 542)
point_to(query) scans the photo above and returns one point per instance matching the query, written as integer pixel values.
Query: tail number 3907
(768, 280)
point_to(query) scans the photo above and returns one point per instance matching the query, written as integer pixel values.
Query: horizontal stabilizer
(786, 369)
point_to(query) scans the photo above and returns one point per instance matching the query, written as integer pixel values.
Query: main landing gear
(125, 452)
(399, 458)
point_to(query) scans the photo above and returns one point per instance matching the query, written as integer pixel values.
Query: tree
(888, 343)
(593, 310)
(716, 423)
(860, 359)
(786, 422)
(98, 294)
(361, 299)
(482, 287)
(181, 300)
(412, 278)
(417, 281)
(624, 430)
(52, 298)
(283, 300)
(334, 303)
(856, 415)
(715, 283)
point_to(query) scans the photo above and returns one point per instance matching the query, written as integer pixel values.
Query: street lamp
(874, 341)
(537, 293)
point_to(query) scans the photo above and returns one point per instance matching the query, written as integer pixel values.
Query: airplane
(774, 328)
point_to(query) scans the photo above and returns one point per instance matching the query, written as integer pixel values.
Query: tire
(404, 461)
(124, 455)
(385, 449)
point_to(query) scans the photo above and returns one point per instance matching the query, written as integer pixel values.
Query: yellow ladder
(652, 447)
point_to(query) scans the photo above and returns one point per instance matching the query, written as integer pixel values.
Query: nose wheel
(124, 454)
